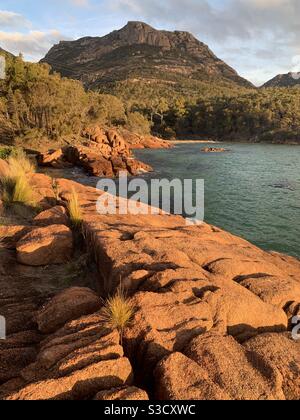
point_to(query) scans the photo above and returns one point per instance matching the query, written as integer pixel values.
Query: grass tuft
(118, 312)
(17, 190)
(15, 186)
(75, 211)
(55, 188)
(20, 164)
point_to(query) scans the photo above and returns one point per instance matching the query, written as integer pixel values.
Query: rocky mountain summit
(284, 80)
(142, 52)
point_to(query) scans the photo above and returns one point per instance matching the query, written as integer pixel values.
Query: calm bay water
(252, 191)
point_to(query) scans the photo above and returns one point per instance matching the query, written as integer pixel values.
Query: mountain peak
(139, 51)
(284, 80)
(138, 25)
(136, 32)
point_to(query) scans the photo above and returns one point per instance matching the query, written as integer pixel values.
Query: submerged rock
(214, 150)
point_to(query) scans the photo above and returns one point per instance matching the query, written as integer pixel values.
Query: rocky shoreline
(104, 153)
(212, 313)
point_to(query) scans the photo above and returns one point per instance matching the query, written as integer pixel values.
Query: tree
(137, 123)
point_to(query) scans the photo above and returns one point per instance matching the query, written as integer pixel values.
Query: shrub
(137, 123)
(5, 152)
(75, 211)
(118, 312)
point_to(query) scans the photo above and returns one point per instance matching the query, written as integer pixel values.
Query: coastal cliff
(205, 302)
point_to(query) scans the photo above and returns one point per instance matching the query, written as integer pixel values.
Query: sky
(258, 38)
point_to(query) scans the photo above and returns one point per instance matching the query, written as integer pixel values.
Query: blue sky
(259, 38)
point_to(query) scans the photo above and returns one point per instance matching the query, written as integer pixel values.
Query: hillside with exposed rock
(284, 80)
(139, 51)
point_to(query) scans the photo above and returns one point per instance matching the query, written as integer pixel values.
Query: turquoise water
(252, 191)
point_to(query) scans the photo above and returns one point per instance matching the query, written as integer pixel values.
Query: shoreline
(291, 143)
(180, 304)
(194, 141)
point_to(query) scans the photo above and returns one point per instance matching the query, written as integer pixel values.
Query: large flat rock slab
(179, 378)
(66, 306)
(81, 384)
(205, 302)
(283, 353)
(240, 373)
(46, 245)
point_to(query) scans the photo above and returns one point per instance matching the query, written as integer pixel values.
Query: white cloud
(235, 18)
(259, 38)
(80, 3)
(33, 44)
(251, 26)
(12, 20)
(17, 35)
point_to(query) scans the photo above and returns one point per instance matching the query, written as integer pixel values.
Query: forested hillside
(37, 103)
(179, 85)
(266, 115)
(217, 111)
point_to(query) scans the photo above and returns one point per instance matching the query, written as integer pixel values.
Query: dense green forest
(218, 111)
(35, 102)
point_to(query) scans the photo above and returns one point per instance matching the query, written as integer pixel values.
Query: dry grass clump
(55, 188)
(15, 187)
(20, 164)
(118, 312)
(75, 210)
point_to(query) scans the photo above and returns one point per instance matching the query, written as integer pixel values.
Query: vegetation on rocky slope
(216, 111)
(179, 85)
(37, 103)
(140, 51)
